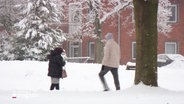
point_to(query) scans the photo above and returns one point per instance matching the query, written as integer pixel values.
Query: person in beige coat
(110, 62)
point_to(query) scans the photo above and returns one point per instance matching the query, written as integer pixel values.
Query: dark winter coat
(56, 64)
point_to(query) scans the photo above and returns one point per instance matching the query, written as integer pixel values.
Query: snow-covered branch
(120, 6)
(35, 30)
(103, 9)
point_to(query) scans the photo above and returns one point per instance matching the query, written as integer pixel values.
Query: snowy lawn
(28, 82)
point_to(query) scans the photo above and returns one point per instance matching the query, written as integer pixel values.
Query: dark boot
(52, 87)
(57, 86)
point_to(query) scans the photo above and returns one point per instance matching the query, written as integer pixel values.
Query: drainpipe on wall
(119, 31)
(119, 28)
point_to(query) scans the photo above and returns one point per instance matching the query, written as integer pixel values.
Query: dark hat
(58, 50)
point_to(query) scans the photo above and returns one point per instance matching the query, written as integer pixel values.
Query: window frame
(133, 50)
(92, 57)
(175, 14)
(171, 43)
(75, 10)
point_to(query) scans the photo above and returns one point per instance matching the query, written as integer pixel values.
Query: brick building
(123, 30)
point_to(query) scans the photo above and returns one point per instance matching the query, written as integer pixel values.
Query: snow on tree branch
(164, 13)
(103, 9)
(36, 30)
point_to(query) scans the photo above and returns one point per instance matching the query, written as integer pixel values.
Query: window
(90, 16)
(133, 20)
(75, 49)
(174, 13)
(91, 50)
(133, 50)
(170, 47)
(75, 17)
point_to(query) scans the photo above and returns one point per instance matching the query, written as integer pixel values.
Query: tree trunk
(145, 12)
(98, 43)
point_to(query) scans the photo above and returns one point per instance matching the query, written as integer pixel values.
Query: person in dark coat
(56, 64)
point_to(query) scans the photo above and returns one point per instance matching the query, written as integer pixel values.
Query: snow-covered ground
(29, 83)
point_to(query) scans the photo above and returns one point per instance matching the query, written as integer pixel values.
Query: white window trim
(133, 20)
(176, 13)
(73, 49)
(175, 51)
(73, 26)
(90, 43)
(133, 57)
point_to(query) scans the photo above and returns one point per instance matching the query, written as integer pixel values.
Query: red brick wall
(127, 33)
(177, 33)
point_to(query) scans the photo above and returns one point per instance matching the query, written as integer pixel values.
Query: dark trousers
(54, 86)
(114, 72)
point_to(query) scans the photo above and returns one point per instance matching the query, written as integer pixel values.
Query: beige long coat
(111, 54)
